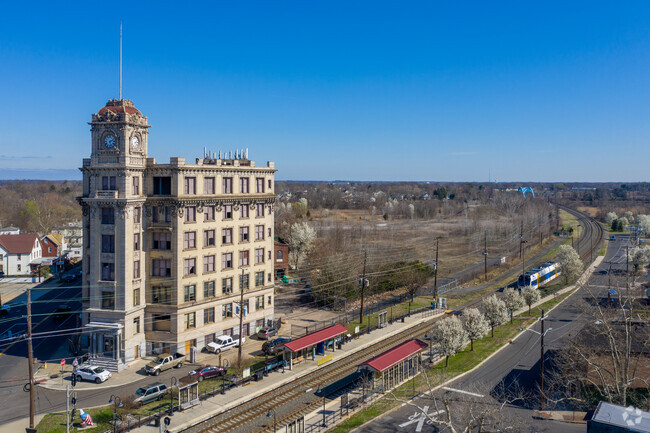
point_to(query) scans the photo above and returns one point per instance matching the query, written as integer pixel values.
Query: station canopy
(395, 355)
(315, 338)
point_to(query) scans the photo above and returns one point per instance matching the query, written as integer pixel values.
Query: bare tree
(495, 311)
(450, 337)
(475, 325)
(513, 301)
(570, 263)
(530, 295)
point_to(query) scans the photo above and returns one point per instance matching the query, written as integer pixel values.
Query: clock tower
(119, 131)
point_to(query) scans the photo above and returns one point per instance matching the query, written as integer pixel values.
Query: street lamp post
(117, 402)
(268, 415)
(174, 382)
(321, 390)
(541, 375)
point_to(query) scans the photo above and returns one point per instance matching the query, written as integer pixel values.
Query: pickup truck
(163, 363)
(223, 342)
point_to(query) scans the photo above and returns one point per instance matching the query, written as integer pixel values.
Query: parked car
(2, 274)
(62, 312)
(612, 238)
(4, 310)
(69, 278)
(163, 363)
(223, 342)
(92, 373)
(149, 393)
(272, 347)
(207, 372)
(266, 333)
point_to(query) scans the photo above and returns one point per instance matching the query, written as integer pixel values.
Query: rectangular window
(190, 293)
(136, 185)
(243, 185)
(243, 258)
(226, 261)
(259, 279)
(227, 212)
(190, 214)
(244, 210)
(208, 289)
(137, 215)
(108, 301)
(160, 214)
(243, 234)
(108, 215)
(108, 244)
(259, 233)
(278, 256)
(243, 282)
(136, 269)
(268, 277)
(136, 242)
(226, 310)
(269, 184)
(226, 236)
(208, 264)
(136, 296)
(269, 230)
(208, 213)
(162, 185)
(259, 210)
(259, 303)
(161, 295)
(208, 238)
(259, 185)
(161, 268)
(208, 185)
(259, 255)
(226, 286)
(189, 267)
(161, 322)
(190, 185)
(189, 240)
(227, 185)
(208, 315)
(161, 241)
(136, 325)
(108, 271)
(190, 320)
(109, 183)
(269, 255)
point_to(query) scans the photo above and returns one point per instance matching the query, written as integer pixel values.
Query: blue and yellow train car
(539, 276)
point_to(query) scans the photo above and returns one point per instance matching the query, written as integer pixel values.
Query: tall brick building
(169, 247)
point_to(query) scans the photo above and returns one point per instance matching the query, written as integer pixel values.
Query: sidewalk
(239, 395)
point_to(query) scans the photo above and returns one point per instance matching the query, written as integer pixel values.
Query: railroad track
(251, 416)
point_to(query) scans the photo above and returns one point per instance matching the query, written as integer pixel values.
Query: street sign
(62, 362)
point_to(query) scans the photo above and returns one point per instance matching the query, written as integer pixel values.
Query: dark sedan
(207, 372)
(274, 346)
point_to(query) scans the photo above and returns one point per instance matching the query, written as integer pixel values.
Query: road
(517, 363)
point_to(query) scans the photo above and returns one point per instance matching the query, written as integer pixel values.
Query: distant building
(9, 231)
(53, 245)
(18, 252)
(72, 233)
(281, 263)
(611, 418)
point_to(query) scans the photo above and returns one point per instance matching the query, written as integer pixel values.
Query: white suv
(93, 374)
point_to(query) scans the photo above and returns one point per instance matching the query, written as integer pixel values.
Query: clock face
(109, 141)
(135, 142)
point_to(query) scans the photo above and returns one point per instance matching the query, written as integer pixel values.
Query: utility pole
(521, 237)
(523, 262)
(541, 374)
(241, 319)
(30, 358)
(363, 286)
(67, 408)
(485, 253)
(435, 276)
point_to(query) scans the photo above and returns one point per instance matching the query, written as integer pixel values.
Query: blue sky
(448, 91)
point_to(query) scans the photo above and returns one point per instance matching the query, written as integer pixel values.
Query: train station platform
(313, 344)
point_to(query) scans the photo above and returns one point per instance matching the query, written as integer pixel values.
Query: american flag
(87, 420)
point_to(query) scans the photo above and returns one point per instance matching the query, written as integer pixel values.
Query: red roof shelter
(315, 338)
(396, 365)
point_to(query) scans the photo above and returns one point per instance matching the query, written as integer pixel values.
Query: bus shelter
(317, 343)
(395, 365)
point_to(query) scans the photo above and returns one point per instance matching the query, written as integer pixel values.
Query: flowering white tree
(301, 240)
(644, 223)
(610, 218)
(530, 295)
(639, 257)
(475, 325)
(495, 311)
(570, 263)
(450, 336)
(513, 301)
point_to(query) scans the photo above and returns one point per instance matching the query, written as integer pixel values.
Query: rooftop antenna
(120, 60)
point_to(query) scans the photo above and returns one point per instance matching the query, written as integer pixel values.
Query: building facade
(169, 248)
(19, 253)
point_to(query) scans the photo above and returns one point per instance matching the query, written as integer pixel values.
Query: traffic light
(73, 400)
(74, 379)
